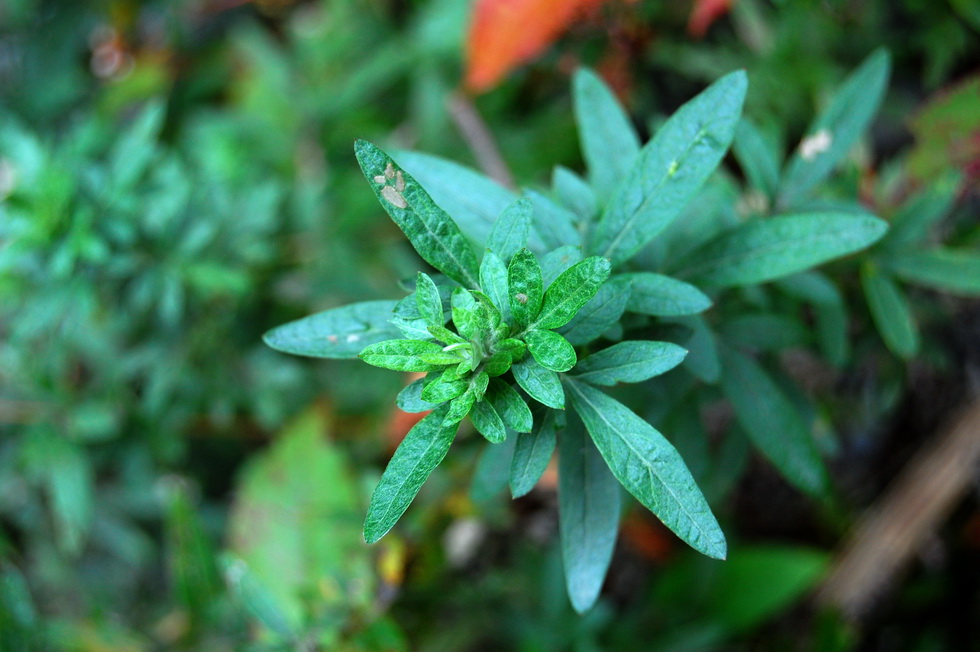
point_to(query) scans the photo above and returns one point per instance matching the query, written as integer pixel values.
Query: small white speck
(352, 338)
(818, 143)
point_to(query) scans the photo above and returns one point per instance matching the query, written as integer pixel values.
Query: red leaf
(706, 12)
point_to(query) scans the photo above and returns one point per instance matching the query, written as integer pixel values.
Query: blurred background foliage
(176, 177)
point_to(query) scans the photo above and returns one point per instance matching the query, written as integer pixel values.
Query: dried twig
(476, 134)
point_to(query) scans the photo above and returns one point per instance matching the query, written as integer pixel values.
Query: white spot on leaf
(818, 143)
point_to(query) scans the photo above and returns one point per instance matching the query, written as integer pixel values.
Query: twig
(476, 134)
(918, 501)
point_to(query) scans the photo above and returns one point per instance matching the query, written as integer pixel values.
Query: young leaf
(551, 350)
(511, 407)
(541, 384)
(410, 399)
(764, 250)
(670, 169)
(758, 159)
(572, 192)
(435, 236)
(509, 234)
(891, 313)
(772, 422)
(629, 362)
(949, 270)
(588, 515)
(408, 355)
(487, 422)
(461, 406)
(532, 454)
(493, 281)
(570, 291)
(336, 333)
(663, 296)
(428, 300)
(833, 132)
(650, 469)
(601, 313)
(525, 287)
(554, 224)
(608, 140)
(423, 448)
(441, 390)
(473, 314)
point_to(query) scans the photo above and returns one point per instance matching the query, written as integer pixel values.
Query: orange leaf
(704, 13)
(506, 33)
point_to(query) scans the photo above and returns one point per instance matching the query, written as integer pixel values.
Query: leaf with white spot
(336, 333)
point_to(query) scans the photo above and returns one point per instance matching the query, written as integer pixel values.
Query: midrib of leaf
(442, 245)
(554, 309)
(653, 193)
(649, 467)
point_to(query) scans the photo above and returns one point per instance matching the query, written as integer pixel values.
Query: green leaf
(912, 221)
(493, 281)
(551, 350)
(890, 311)
(525, 287)
(836, 129)
(759, 160)
(255, 596)
(408, 355)
(601, 313)
(435, 236)
(423, 448)
(573, 193)
(428, 300)
(670, 169)
(510, 232)
(650, 469)
(193, 568)
(949, 270)
(532, 454)
(491, 472)
(136, 149)
(829, 311)
(588, 515)
(702, 358)
(445, 335)
(541, 384)
(663, 296)
(441, 390)
(764, 331)
(772, 422)
(608, 140)
(629, 362)
(570, 291)
(557, 261)
(764, 250)
(511, 407)
(474, 200)
(336, 333)
(553, 223)
(461, 406)
(487, 422)
(474, 314)
(410, 399)
(70, 485)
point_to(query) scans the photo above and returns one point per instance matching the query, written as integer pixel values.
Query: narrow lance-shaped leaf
(670, 169)
(601, 313)
(487, 422)
(890, 311)
(543, 385)
(551, 350)
(911, 222)
(410, 399)
(493, 281)
(570, 291)
(408, 355)
(572, 192)
(525, 287)
(949, 270)
(650, 468)
(428, 300)
(759, 160)
(492, 469)
(836, 129)
(532, 454)
(511, 407)
(764, 250)
(629, 362)
(772, 422)
(336, 333)
(555, 224)
(829, 311)
(435, 236)
(588, 515)
(510, 231)
(663, 296)
(423, 448)
(608, 140)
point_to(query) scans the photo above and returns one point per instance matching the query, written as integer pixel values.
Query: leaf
(650, 469)
(492, 468)
(551, 350)
(255, 596)
(510, 231)
(429, 301)
(831, 135)
(510, 406)
(525, 288)
(912, 221)
(629, 362)
(764, 331)
(435, 236)
(541, 384)
(493, 281)
(663, 296)
(830, 312)
(441, 389)
(702, 358)
(764, 250)
(487, 422)
(532, 454)
(601, 313)
(474, 314)
(70, 485)
(571, 290)
(606, 136)
(554, 224)
(557, 261)
(772, 422)
(336, 333)
(192, 560)
(757, 158)
(891, 313)
(670, 169)
(408, 355)
(133, 152)
(573, 193)
(423, 448)
(949, 270)
(474, 200)
(589, 502)
(410, 399)
(503, 35)
(461, 406)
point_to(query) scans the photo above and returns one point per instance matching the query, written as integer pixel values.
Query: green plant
(536, 315)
